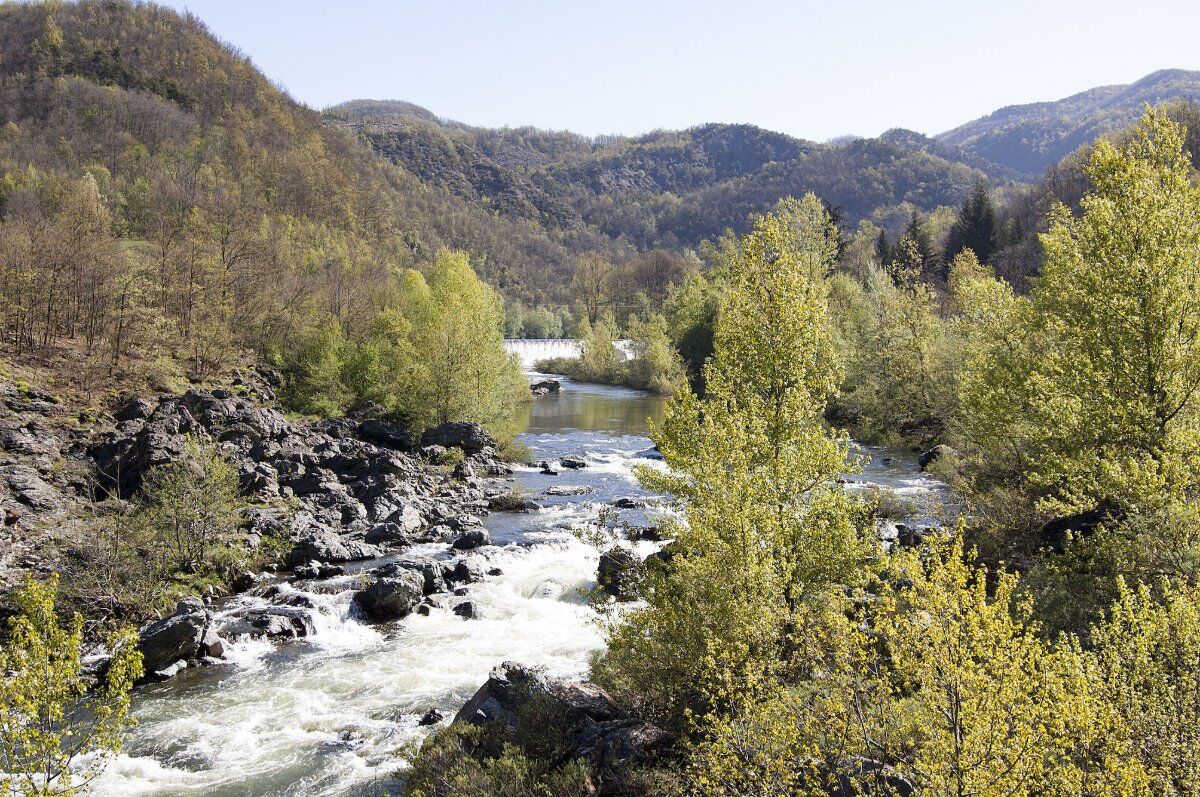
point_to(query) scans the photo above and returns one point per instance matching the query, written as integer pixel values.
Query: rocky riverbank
(333, 491)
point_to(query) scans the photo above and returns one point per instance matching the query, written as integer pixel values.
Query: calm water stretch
(335, 714)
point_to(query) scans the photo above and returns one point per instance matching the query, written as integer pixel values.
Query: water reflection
(585, 407)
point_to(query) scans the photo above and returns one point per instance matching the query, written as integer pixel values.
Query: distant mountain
(666, 188)
(1030, 138)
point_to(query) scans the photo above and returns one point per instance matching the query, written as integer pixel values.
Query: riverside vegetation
(779, 651)
(172, 223)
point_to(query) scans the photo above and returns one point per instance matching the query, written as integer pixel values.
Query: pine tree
(975, 228)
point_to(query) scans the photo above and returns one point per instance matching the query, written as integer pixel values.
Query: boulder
(465, 571)
(315, 569)
(387, 435)
(392, 596)
(272, 622)
(470, 437)
(466, 610)
(569, 489)
(511, 686)
(627, 502)
(28, 487)
(548, 469)
(512, 502)
(574, 463)
(935, 454)
(593, 727)
(543, 387)
(619, 573)
(471, 539)
(432, 573)
(326, 546)
(174, 638)
(431, 717)
(388, 533)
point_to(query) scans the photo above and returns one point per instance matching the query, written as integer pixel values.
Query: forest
(1017, 300)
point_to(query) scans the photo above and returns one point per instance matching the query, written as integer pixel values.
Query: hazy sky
(812, 69)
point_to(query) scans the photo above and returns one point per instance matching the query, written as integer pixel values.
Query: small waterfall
(532, 350)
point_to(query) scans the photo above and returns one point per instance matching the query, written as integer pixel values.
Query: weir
(531, 350)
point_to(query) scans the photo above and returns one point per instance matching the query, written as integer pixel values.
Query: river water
(335, 714)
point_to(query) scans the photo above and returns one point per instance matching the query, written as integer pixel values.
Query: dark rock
(511, 686)
(647, 533)
(393, 596)
(173, 638)
(432, 574)
(548, 469)
(619, 573)
(545, 386)
(495, 571)
(387, 435)
(388, 534)
(855, 776)
(326, 546)
(245, 582)
(28, 487)
(431, 717)
(574, 463)
(134, 408)
(471, 539)
(272, 622)
(315, 569)
(466, 610)
(1056, 533)
(935, 454)
(433, 453)
(465, 571)
(569, 489)
(512, 502)
(649, 453)
(211, 644)
(470, 437)
(627, 502)
(909, 536)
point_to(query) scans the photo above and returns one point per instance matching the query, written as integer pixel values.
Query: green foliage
(1082, 397)
(58, 729)
(180, 538)
(1148, 657)
(191, 506)
(766, 529)
(436, 353)
(975, 227)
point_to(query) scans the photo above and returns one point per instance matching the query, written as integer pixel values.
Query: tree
(191, 505)
(767, 528)
(1148, 653)
(654, 364)
(1097, 392)
(915, 251)
(975, 226)
(592, 285)
(57, 729)
(599, 358)
(458, 329)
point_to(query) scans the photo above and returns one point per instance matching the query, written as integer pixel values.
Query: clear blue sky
(812, 69)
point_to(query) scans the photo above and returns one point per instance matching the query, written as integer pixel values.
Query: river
(336, 713)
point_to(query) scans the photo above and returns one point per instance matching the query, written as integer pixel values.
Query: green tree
(51, 713)
(458, 331)
(191, 506)
(1093, 399)
(975, 227)
(767, 527)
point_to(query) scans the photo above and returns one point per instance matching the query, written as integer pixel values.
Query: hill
(1030, 138)
(666, 189)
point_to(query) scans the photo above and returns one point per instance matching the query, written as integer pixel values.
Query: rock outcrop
(592, 726)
